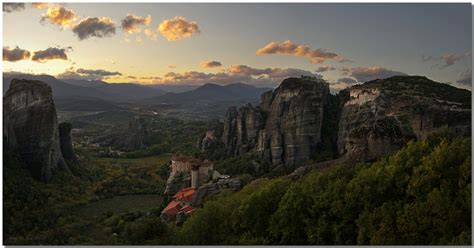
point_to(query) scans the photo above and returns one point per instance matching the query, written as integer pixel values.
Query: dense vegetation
(421, 195)
(73, 210)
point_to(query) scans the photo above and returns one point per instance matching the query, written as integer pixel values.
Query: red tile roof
(185, 195)
(172, 208)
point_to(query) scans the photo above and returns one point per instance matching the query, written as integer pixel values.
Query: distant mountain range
(96, 95)
(211, 93)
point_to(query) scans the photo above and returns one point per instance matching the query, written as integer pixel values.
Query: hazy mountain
(175, 88)
(72, 88)
(212, 93)
(84, 83)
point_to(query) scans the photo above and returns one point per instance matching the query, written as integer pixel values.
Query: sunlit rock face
(30, 127)
(285, 128)
(381, 116)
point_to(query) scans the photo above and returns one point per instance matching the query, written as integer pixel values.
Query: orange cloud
(131, 23)
(289, 48)
(210, 64)
(59, 16)
(177, 28)
(151, 34)
(40, 5)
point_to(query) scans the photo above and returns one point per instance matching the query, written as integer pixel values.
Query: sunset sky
(227, 43)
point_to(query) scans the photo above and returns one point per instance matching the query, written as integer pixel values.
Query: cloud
(59, 16)
(171, 66)
(364, 74)
(346, 81)
(445, 60)
(131, 23)
(325, 68)
(289, 48)
(40, 5)
(151, 34)
(236, 73)
(466, 78)
(87, 74)
(15, 54)
(177, 28)
(210, 64)
(94, 27)
(50, 54)
(12, 7)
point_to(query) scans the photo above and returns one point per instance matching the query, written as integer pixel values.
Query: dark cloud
(94, 27)
(316, 56)
(211, 64)
(50, 54)
(12, 7)
(102, 73)
(325, 68)
(15, 54)
(178, 28)
(466, 78)
(364, 74)
(131, 22)
(346, 81)
(87, 74)
(445, 60)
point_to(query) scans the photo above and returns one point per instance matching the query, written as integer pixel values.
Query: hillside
(420, 195)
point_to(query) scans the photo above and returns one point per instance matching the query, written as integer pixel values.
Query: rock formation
(209, 140)
(65, 140)
(365, 122)
(135, 135)
(381, 116)
(285, 128)
(213, 188)
(30, 127)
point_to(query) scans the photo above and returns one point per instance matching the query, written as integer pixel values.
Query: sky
(260, 44)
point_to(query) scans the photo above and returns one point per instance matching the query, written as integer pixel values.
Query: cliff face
(299, 119)
(65, 140)
(135, 135)
(381, 116)
(30, 126)
(285, 128)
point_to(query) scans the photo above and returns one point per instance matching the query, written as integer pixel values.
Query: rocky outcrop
(213, 188)
(135, 134)
(381, 116)
(210, 140)
(65, 141)
(285, 128)
(30, 127)
(176, 182)
(301, 120)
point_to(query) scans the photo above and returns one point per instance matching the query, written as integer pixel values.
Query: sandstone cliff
(285, 128)
(134, 136)
(381, 116)
(30, 127)
(300, 120)
(65, 140)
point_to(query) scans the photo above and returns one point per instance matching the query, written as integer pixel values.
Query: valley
(296, 145)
